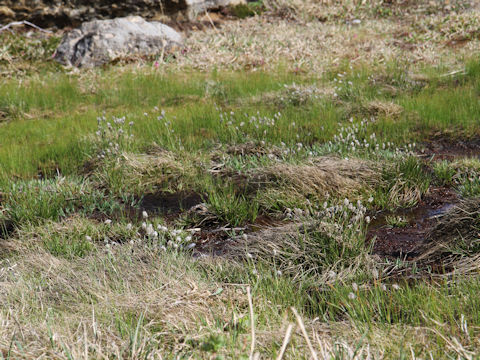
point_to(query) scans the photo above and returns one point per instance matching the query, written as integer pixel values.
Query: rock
(101, 41)
(195, 7)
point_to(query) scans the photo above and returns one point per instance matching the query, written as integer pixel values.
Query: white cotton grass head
(352, 296)
(144, 214)
(332, 275)
(149, 230)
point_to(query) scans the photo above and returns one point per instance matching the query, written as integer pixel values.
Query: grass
(287, 158)
(396, 221)
(196, 126)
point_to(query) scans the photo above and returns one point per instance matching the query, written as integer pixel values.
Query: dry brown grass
(152, 170)
(404, 194)
(135, 303)
(146, 173)
(321, 177)
(53, 307)
(264, 42)
(385, 109)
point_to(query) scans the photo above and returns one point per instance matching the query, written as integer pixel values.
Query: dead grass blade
(286, 340)
(252, 323)
(304, 332)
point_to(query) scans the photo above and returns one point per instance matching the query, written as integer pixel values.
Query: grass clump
(396, 221)
(74, 237)
(311, 248)
(231, 207)
(464, 174)
(444, 173)
(35, 201)
(243, 11)
(404, 184)
(137, 175)
(291, 185)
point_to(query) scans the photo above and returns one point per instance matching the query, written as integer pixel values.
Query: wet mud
(448, 149)
(403, 240)
(213, 241)
(165, 203)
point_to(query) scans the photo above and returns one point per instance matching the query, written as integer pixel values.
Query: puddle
(166, 203)
(447, 149)
(404, 238)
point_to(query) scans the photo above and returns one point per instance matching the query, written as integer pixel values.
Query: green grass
(396, 221)
(35, 201)
(403, 185)
(55, 115)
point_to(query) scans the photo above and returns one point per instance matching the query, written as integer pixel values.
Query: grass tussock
(140, 174)
(462, 173)
(322, 177)
(294, 94)
(309, 250)
(73, 237)
(33, 202)
(404, 183)
(385, 109)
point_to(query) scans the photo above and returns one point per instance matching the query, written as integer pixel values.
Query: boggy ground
(139, 203)
(399, 233)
